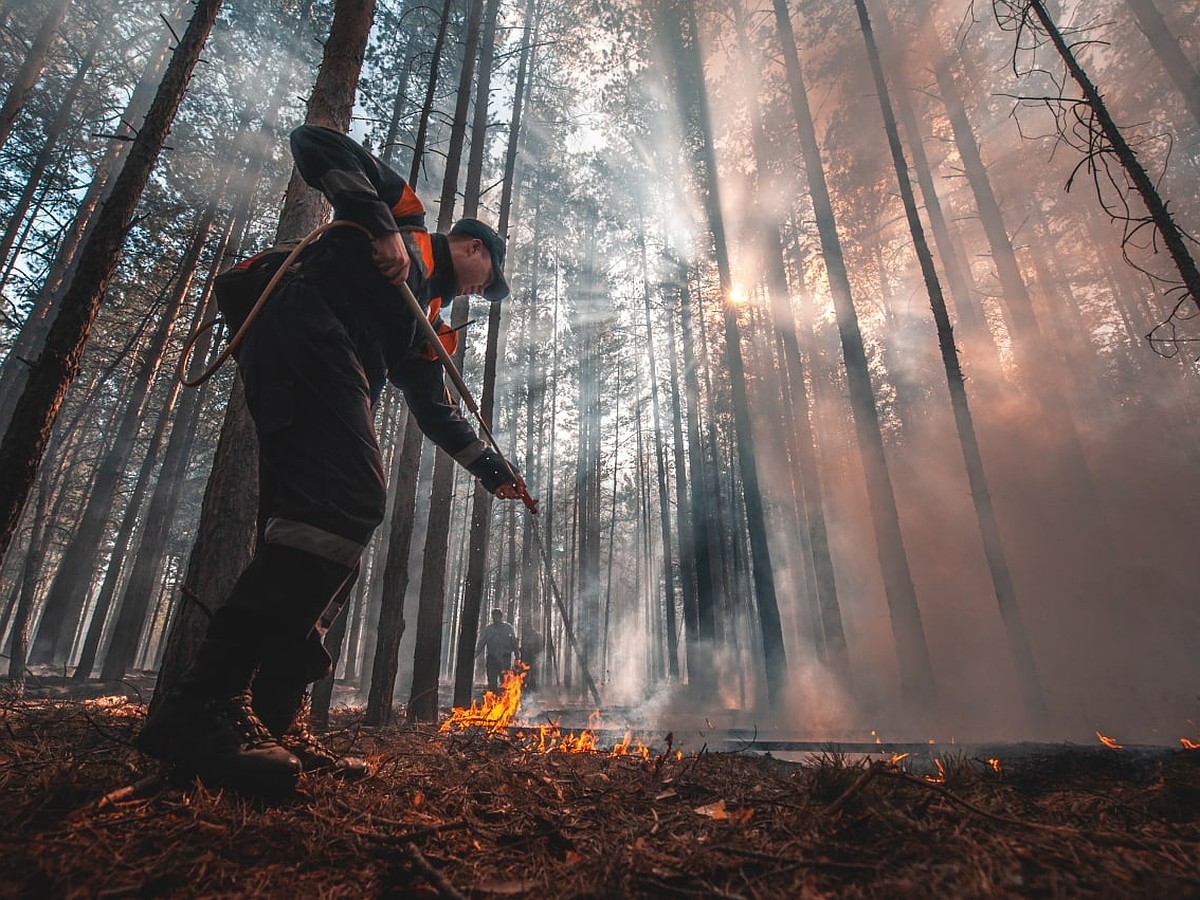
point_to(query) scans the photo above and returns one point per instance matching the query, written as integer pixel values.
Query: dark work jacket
(367, 192)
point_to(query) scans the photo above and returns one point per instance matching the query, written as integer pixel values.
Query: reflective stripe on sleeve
(314, 540)
(470, 453)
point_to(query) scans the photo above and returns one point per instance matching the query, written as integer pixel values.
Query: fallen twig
(851, 792)
(137, 790)
(432, 875)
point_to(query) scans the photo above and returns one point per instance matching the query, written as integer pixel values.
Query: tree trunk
(916, 671)
(774, 658)
(423, 700)
(1164, 222)
(1166, 46)
(664, 505)
(427, 658)
(40, 527)
(1021, 320)
(430, 93)
(117, 562)
(30, 69)
(164, 500)
(481, 505)
(688, 575)
(458, 129)
(33, 417)
(395, 576)
(1010, 614)
(831, 638)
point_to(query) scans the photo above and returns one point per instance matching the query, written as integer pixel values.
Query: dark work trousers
(321, 482)
(495, 669)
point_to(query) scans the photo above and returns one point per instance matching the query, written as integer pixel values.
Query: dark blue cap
(498, 288)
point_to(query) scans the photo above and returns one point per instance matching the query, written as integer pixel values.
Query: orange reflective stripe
(447, 335)
(408, 205)
(420, 239)
(424, 244)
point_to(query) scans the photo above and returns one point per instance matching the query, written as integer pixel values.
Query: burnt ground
(468, 816)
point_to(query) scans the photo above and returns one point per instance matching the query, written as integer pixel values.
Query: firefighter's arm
(439, 418)
(356, 183)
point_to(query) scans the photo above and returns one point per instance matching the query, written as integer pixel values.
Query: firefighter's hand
(391, 256)
(510, 491)
(516, 490)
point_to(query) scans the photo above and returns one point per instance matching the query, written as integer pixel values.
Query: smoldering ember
(628, 448)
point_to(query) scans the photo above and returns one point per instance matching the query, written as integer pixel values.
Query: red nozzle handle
(531, 503)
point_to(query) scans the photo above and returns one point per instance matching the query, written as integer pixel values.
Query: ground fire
(498, 714)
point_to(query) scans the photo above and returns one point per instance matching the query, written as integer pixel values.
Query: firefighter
(499, 639)
(313, 365)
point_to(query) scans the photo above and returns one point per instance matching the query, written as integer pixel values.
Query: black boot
(284, 711)
(206, 727)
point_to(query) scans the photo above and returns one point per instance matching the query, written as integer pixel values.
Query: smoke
(1088, 441)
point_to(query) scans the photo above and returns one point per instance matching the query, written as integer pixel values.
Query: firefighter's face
(472, 265)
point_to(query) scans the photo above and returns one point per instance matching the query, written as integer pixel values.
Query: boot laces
(299, 736)
(239, 715)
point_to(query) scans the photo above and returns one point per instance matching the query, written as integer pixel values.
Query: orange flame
(497, 712)
(1189, 745)
(896, 757)
(1109, 742)
(940, 777)
(995, 764)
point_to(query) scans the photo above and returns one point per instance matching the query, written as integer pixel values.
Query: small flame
(1109, 742)
(497, 712)
(995, 764)
(876, 736)
(940, 777)
(896, 757)
(1189, 745)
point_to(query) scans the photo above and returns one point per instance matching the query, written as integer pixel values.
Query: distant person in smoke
(314, 363)
(499, 640)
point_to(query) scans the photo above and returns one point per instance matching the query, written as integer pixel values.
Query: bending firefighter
(314, 362)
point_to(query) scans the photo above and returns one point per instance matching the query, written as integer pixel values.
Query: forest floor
(467, 815)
